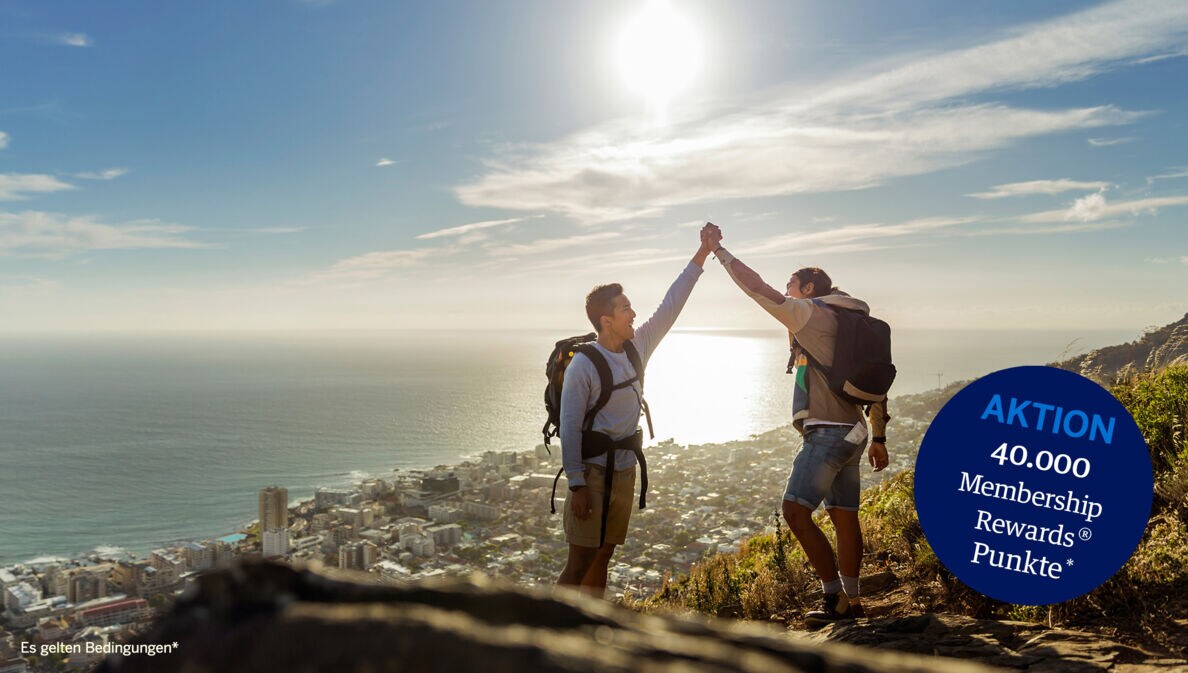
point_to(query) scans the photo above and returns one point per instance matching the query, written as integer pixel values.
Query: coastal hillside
(1135, 619)
(1154, 350)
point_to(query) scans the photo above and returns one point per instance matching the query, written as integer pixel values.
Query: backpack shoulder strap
(636, 362)
(813, 362)
(606, 381)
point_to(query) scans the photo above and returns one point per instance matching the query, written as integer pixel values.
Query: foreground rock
(263, 617)
(1017, 645)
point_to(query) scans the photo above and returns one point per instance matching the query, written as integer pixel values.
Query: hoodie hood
(842, 300)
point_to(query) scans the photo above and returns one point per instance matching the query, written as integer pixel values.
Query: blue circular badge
(1033, 485)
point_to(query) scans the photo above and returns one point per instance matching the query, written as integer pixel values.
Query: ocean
(126, 442)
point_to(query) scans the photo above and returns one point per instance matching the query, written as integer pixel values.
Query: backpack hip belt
(596, 444)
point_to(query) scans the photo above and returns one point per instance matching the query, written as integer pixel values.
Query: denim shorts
(826, 469)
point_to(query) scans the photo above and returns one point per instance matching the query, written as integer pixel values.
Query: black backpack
(558, 362)
(862, 371)
(594, 443)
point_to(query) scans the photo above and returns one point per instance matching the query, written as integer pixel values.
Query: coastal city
(488, 515)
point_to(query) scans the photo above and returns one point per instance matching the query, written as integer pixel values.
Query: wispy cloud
(850, 238)
(1034, 230)
(3, 140)
(907, 118)
(1182, 259)
(19, 186)
(13, 285)
(867, 235)
(374, 266)
(279, 230)
(1048, 53)
(548, 245)
(74, 39)
(106, 174)
(52, 235)
(629, 257)
(538, 254)
(1109, 142)
(1173, 174)
(835, 239)
(1095, 207)
(611, 174)
(1175, 53)
(1039, 187)
(384, 161)
(469, 228)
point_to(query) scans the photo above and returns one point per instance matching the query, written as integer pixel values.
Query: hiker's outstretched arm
(743, 275)
(793, 313)
(702, 253)
(649, 334)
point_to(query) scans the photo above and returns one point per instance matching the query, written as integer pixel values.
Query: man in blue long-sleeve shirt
(612, 316)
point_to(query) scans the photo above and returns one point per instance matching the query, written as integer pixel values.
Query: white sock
(850, 586)
(831, 587)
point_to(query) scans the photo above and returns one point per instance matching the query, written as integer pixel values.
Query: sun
(659, 54)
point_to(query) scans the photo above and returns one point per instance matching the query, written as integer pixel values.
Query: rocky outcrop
(263, 617)
(1016, 645)
(1155, 350)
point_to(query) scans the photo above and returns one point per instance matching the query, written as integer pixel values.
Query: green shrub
(1161, 560)
(1159, 404)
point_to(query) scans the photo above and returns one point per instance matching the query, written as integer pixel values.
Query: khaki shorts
(585, 533)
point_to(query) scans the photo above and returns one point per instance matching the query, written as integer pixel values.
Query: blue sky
(348, 164)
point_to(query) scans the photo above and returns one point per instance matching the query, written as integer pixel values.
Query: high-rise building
(275, 542)
(358, 555)
(85, 585)
(274, 508)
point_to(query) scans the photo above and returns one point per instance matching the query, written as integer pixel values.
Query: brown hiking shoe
(834, 608)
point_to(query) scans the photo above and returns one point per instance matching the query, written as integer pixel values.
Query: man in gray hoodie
(591, 544)
(834, 431)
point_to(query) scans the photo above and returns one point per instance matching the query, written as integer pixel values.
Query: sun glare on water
(659, 55)
(706, 387)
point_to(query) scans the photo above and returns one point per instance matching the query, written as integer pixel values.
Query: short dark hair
(600, 302)
(822, 284)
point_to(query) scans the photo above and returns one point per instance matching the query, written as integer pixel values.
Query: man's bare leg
(849, 541)
(849, 550)
(812, 539)
(578, 564)
(594, 581)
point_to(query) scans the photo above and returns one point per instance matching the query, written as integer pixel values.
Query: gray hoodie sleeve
(579, 388)
(649, 334)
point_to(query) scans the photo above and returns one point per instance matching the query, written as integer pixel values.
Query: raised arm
(743, 275)
(793, 313)
(649, 334)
